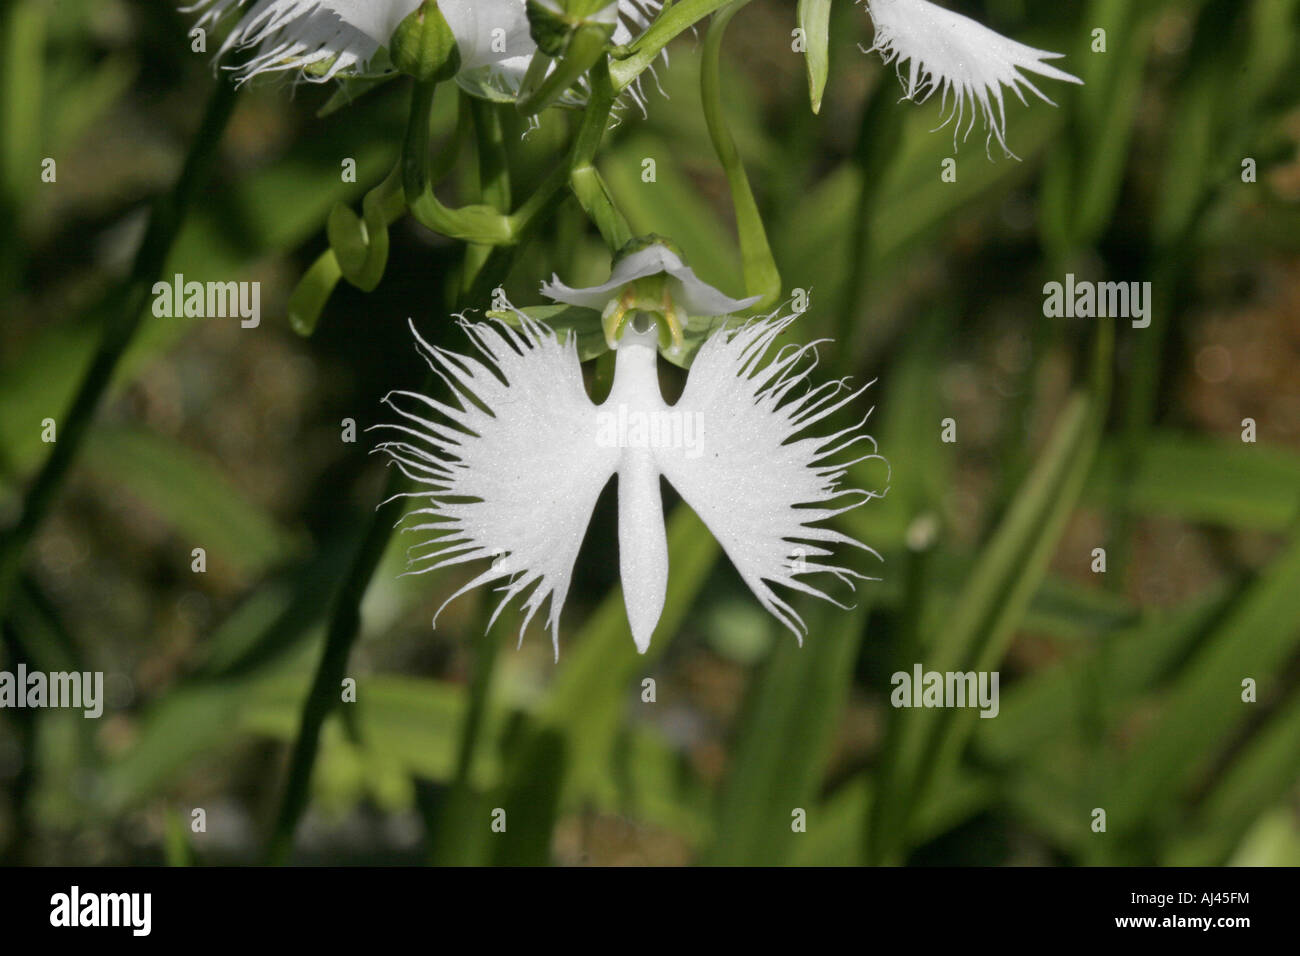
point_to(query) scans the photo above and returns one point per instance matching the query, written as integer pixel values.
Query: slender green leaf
(785, 739)
(815, 21)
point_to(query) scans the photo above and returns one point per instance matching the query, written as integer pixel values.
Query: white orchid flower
(324, 39)
(962, 59)
(511, 470)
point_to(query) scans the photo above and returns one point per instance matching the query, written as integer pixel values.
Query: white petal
(959, 57)
(762, 490)
(642, 539)
(499, 76)
(689, 291)
(493, 36)
(294, 34)
(377, 19)
(488, 31)
(520, 443)
(699, 298)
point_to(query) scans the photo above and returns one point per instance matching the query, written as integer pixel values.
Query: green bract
(424, 45)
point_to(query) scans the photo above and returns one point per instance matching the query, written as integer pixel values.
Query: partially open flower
(962, 59)
(511, 470)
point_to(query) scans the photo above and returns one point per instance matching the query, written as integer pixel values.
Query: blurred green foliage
(1122, 690)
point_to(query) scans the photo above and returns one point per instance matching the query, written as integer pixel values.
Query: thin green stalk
(480, 223)
(1139, 411)
(642, 53)
(493, 173)
(475, 223)
(586, 48)
(22, 80)
(761, 275)
(344, 626)
(126, 313)
(908, 647)
(15, 850)
(450, 839)
(876, 143)
(584, 178)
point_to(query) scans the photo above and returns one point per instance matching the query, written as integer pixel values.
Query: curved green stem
(366, 237)
(762, 277)
(475, 224)
(360, 244)
(493, 173)
(125, 317)
(314, 289)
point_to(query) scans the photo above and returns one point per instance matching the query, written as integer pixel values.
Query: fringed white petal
(343, 36)
(297, 34)
(761, 485)
(511, 471)
(962, 59)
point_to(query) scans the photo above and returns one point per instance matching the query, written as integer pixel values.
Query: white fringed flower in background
(961, 59)
(321, 40)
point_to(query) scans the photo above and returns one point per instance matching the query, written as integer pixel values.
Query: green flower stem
(533, 77)
(594, 197)
(493, 173)
(360, 245)
(450, 838)
(308, 298)
(126, 313)
(640, 55)
(761, 275)
(586, 48)
(474, 224)
(383, 205)
(493, 166)
(877, 142)
(344, 626)
(584, 179)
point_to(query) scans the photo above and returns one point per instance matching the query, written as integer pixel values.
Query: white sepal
(688, 290)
